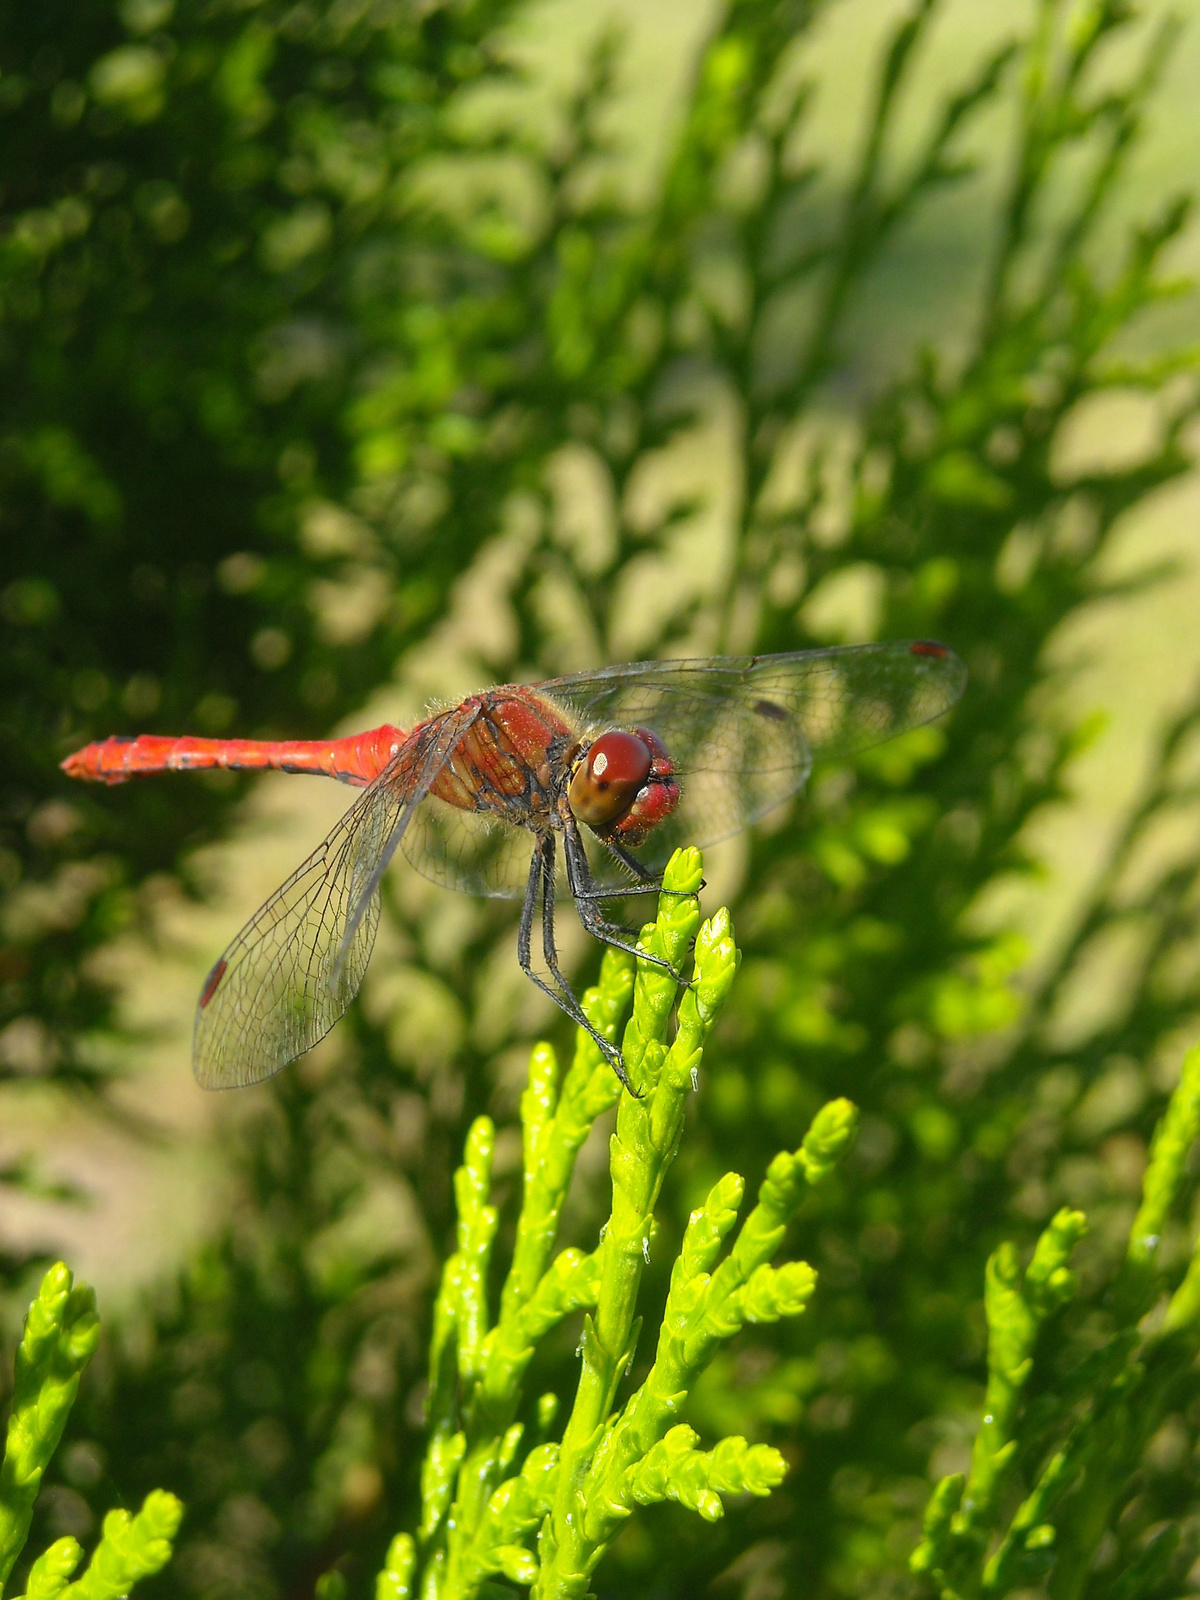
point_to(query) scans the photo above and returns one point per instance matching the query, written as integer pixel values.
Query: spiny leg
(550, 953)
(549, 948)
(622, 891)
(649, 881)
(528, 905)
(583, 891)
(541, 873)
(645, 874)
(653, 880)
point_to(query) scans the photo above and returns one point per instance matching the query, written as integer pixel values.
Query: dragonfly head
(622, 785)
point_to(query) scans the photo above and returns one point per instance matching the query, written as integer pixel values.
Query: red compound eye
(606, 782)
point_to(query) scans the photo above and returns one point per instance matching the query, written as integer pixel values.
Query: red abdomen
(355, 760)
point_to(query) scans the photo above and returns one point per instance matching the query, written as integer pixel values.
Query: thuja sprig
(130, 1548)
(702, 1310)
(544, 1517)
(61, 1330)
(396, 1579)
(959, 1516)
(1173, 1140)
(968, 1548)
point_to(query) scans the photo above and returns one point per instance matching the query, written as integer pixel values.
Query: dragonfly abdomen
(355, 760)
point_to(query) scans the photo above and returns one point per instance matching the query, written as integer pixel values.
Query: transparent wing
(743, 731)
(291, 972)
(480, 855)
(474, 852)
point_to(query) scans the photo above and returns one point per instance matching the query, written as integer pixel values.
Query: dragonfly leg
(585, 892)
(541, 886)
(622, 891)
(652, 880)
(550, 953)
(649, 882)
(643, 873)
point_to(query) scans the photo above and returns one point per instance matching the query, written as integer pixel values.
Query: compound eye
(606, 782)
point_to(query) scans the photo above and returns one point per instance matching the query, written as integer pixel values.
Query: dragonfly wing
(295, 967)
(438, 743)
(474, 852)
(743, 731)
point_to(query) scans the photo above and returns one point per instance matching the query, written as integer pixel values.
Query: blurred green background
(356, 355)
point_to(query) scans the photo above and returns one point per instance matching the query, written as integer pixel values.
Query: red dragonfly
(616, 767)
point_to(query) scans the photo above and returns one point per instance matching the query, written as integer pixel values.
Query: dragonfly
(579, 787)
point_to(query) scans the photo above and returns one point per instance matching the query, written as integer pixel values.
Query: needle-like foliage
(544, 1516)
(1077, 1448)
(60, 1337)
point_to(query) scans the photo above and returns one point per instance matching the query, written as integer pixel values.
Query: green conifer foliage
(545, 1520)
(60, 1337)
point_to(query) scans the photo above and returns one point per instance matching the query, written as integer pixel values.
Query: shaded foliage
(206, 263)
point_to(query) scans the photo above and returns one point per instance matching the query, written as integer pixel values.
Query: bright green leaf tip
(828, 1139)
(61, 1331)
(395, 1580)
(943, 1504)
(1173, 1140)
(1048, 1279)
(684, 871)
(131, 1548)
(52, 1570)
(717, 960)
(674, 1469)
(60, 1335)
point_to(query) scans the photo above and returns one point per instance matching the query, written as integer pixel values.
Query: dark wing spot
(768, 708)
(212, 981)
(929, 647)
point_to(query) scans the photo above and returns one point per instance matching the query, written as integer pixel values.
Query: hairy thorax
(511, 760)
